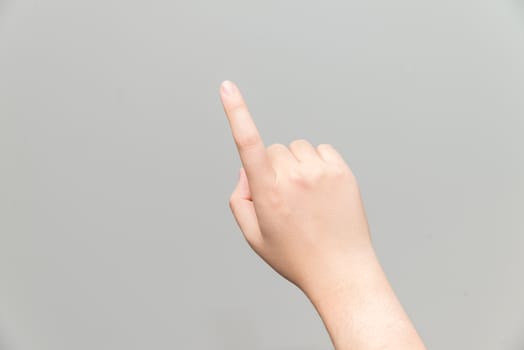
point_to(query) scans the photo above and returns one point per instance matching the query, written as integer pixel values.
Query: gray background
(117, 162)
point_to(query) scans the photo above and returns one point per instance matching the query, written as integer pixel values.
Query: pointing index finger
(246, 136)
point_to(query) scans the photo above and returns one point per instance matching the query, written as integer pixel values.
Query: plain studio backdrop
(117, 162)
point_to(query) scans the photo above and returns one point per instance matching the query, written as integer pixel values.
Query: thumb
(241, 205)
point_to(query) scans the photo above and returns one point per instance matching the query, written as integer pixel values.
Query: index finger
(247, 138)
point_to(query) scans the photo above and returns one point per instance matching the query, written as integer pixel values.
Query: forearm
(360, 309)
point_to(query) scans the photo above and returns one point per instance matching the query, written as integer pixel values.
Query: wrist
(359, 307)
(337, 274)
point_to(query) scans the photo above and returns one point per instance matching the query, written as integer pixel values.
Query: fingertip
(228, 88)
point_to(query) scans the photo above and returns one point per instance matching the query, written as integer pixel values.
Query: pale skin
(299, 208)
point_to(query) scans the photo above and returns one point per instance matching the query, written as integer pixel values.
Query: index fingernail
(228, 88)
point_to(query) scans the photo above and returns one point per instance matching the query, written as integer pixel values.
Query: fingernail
(228, 87)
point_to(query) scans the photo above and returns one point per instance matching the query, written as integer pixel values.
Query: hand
(300, 207)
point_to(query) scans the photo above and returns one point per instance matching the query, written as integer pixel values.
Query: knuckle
(298, 142)
(317, 174)
(348, 174)
(327, 148)
(237, 107)
(338, 170)
(247, 141)
(308, 177)
(325, 145)
(275, 147)
(296, 176)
